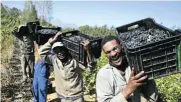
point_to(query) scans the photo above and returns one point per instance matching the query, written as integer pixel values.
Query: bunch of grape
(47, 31)
(140, 37)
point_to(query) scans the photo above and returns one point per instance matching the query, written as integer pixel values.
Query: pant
(27, 64)
(76, 100)
(71, 99)
(40, 82)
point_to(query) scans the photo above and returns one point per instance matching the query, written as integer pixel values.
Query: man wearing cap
(68, 79)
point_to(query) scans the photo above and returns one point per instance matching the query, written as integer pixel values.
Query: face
(112, 49)
(60, 52)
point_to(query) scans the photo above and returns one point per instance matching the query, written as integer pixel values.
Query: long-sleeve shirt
(68, 78)
(110, 84)
(26, 43)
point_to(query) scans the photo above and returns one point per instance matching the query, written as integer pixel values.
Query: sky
(111, 13)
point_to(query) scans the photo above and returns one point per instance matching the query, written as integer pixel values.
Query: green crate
(179, 56)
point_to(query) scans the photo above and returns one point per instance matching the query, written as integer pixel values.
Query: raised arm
(44, 50)
(90, 58)
(15, 32)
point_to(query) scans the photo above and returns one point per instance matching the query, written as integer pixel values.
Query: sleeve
(33, 37)
(104, 90)
(93, 63)
(44, 52)
(91, 60)
(17, 35)
(89, 67)
(150, 91)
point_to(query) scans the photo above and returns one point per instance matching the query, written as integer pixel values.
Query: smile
(117, 60)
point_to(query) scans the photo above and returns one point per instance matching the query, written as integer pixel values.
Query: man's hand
(55, 38)
(134, 82)
(15, 30)
(86, 44)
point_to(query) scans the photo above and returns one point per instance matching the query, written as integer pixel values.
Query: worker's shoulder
(106, 70)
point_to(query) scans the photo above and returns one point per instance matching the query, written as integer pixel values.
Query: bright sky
(115, 13)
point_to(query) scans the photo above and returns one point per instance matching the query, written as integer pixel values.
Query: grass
(6, 49)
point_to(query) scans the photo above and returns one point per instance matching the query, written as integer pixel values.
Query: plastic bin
(29, 28)
(157, 59)
(72, 40)
(42, 34)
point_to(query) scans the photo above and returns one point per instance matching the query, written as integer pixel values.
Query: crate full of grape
(151, 47)
(72, 40)
(42, 34)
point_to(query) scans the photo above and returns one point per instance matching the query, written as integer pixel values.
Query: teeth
(115, 57)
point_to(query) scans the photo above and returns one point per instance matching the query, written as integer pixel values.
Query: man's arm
(45, 49)
(15, 32)
(90, 58)
(104, 89)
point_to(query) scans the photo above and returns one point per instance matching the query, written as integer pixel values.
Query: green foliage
(29, 13)
(14, 12)
(98, 31)
(170, 87)
(11, 17)
(89, 77)
(45, 23)
(8, 21)
(67, 29)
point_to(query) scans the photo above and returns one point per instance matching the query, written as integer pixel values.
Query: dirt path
(11, 87)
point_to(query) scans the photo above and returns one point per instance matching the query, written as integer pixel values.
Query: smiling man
(116, 81)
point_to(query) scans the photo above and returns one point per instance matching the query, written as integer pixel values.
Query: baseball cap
(57, 44)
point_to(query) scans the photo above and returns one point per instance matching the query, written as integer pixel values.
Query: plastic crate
(72, 40)
(178, 31)
(29, 28)
(157, 59)
(42, 38)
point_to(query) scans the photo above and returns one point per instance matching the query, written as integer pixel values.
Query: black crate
(72, 40)
(42, 34)
(178, 31)
(157, 59)
(29, 28)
